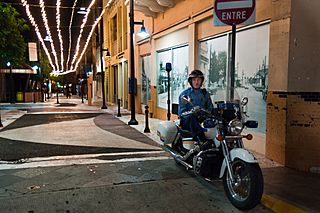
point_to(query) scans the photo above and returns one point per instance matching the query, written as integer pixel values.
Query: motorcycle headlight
(235, 127)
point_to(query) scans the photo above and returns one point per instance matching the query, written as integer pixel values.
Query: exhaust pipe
(176, 156)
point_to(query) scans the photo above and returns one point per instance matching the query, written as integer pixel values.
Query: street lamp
(82, 9)
(47, 38)
(34, 93)
(57, 88)
(168, 69)
(143, 32)
(104, 106)
(108, 53)
(11, 83)
(132, 85)
(38, 70)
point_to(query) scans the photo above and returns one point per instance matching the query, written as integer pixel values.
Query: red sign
(234, 12)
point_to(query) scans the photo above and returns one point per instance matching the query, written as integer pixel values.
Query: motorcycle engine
(208, 163)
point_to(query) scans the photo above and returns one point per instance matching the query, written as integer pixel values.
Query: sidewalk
(9, 116)
(286, 190)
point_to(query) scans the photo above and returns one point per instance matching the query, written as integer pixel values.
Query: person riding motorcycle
(217, 150)
(198, 97)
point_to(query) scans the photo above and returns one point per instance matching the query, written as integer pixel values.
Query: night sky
(65, 11)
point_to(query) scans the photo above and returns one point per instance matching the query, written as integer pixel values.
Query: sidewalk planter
(29, 96)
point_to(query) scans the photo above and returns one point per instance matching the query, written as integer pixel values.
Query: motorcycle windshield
(227, 102)
(225, 95)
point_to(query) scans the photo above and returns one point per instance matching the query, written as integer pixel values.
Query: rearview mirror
(251, 124)
(244, 101)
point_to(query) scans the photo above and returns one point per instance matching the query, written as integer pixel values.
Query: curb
(279, 206)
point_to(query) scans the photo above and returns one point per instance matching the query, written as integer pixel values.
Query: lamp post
(101, 64)
(0, 120)
(34, 92)
(47, 81)
(57, 87)
(133, 120)
(11, 83)
(168, 69)
(37, 69)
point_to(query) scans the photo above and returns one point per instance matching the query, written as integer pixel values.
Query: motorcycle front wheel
(246, 190)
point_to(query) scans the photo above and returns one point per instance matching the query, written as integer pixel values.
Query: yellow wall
(183, 10)
(196, 23)
(293, 92)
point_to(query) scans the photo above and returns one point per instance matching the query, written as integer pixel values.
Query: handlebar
(197, 111)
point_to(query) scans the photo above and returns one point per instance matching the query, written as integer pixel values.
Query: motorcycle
(223, 155)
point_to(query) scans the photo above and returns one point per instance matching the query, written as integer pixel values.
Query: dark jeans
(192, 124)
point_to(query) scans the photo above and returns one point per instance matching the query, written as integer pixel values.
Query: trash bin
(20, 96)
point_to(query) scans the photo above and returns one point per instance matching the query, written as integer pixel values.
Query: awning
(19, 71)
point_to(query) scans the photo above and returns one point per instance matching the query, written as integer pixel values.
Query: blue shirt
(197, 98)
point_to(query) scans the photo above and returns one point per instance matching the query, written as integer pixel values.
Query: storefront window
(145, 79)
(251, 77)
(251, 70)
(178, 57)
(213, 63)
(179, 75)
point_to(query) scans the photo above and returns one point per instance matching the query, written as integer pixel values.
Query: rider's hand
(196, 110)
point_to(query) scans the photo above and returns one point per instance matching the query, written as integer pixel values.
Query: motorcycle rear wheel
(246, 192)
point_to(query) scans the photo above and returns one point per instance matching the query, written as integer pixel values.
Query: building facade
(276, 67)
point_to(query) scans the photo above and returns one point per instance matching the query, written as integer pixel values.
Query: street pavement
(71, 157)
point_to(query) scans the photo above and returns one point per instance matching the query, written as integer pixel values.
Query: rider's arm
(184, 106)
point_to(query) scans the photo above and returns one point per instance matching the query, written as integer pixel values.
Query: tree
(214, 74)
(12, 44)
(222, 64)
(217, 67)
(44, 64)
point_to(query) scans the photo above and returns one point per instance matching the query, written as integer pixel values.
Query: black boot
(201, 139)
(209, 144)
(178, 146)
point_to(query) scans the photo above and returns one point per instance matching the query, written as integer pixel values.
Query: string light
(59, 33)
(84, 21)
(71, 20)
(26, 5)
(73, 67)
(45, 21)
(89, 37)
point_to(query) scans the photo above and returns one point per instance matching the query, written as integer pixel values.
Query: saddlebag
(167, 131)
